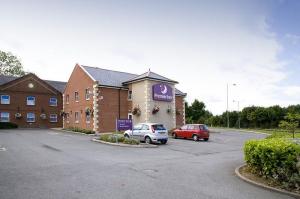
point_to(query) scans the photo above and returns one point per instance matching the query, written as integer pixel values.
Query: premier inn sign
(162, 92)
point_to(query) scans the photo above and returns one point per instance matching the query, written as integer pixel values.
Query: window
(76, 96)
(53, 101)
(30, 101)
(76, 117)
(30, 117)
(67, 117)
(88, 118)
(67, 99)
(184, 127)
(158, 127)
(130, 116)
(5, 99)
(4, 117)
(53, 118)
(137, 127)
(129, 95)
(145, 127)
(87, 94)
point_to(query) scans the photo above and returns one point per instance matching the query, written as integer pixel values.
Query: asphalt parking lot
(47, 164)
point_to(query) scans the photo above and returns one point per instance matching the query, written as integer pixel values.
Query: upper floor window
(30, 100)
(87, 94)
(53, 101)
(53, 117)
(30, 117)
(67, 98)
(129, 95)
(5, 99)
(76, 96)
(4, 117)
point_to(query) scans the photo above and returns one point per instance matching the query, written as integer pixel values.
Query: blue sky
(202, 44)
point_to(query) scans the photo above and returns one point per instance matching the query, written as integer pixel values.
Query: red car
(195, 131)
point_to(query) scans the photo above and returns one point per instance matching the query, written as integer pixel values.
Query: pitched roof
(108, 77)
(149, 75)
(60, 86)
(113, 78)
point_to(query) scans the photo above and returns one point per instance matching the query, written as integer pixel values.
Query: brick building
(94, 98)
(31, 102)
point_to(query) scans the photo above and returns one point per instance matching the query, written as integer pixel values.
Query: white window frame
(67, 99)
(87, 94)
(129, 96)
(76, 99)
(76, 119)
(1, 117)
(68, 117)
(30, 121)
(5, 101)
(28, 104)
(51, 116)
(51, 98)
(130, 114)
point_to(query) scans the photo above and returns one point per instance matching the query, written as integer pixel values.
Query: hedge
(77, 129)
(8, 125)
(275, 159)
(114, 138)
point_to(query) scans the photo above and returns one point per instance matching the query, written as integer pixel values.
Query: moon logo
(164, 89)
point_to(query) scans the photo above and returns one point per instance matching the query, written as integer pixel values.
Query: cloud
(294, 39)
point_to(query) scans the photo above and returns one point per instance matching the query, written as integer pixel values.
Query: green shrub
(275, 159)
(8, 125)
(77, 129)
(131, 141)
(279, 135)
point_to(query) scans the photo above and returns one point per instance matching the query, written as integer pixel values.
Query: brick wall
(18, 91)
(78, 81)
(180, 120)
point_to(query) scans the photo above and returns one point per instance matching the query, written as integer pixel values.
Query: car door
(136, 131)
(181, 131)
(189, 132)
(144, 130)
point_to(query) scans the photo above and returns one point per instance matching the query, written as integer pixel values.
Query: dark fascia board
(112, 87)
(182, 95)
(149, 78)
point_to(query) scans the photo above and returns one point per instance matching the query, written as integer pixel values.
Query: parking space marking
(2, 148)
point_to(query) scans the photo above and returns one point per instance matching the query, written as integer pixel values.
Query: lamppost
(228, 105)
(239, 118)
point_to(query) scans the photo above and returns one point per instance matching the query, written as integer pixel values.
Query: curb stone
(125, 145)
(73, 132)
(237, 172)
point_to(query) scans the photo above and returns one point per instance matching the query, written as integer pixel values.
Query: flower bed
(118, 138)
(80, 130)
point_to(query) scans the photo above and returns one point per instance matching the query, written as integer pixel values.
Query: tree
(291, 123)
(10, 65)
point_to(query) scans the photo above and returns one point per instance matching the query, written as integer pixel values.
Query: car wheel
(206, 139)
(195, 138)
(164, 142)
(174, 135)
(126, 136)
(148, 140)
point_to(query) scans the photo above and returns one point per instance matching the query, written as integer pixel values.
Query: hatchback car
(194, 131)
(149, 133)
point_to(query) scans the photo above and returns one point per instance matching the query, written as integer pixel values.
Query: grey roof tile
(150, 75)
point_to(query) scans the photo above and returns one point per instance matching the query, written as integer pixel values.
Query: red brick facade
(180, 118)
(30, 85)
(79, 81)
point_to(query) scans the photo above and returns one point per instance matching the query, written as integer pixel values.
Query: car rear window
(203, 127)
(158, 127)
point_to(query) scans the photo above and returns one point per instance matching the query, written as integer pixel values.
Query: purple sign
(162, 92)
(123, 124)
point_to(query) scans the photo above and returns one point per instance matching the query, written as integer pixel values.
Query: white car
(149, 133)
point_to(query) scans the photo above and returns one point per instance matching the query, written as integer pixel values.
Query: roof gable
(149, 75)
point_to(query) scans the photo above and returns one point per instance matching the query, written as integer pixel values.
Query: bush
(279, 135)
(114, 138)
(275, 159)
(8, 125)
(77, 129)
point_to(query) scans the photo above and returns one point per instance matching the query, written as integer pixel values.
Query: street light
(239, 118)
(228, 105)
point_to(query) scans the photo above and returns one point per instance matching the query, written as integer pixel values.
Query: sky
(204, 44)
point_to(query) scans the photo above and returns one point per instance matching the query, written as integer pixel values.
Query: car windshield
(158, 127)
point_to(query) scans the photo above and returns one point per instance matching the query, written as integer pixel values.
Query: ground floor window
(67, 117)
(4, 117)
(76, 117)
(53, 117)
(30, 117)
(130, 116)
(88, 118)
